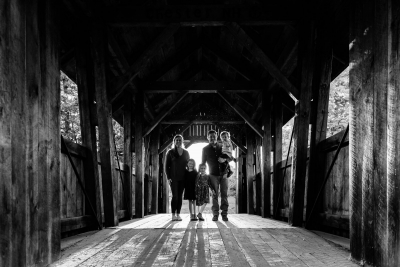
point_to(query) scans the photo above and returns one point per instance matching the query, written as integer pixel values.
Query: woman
(175, 166)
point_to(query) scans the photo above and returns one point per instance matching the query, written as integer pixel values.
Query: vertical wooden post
(128, 152)
(106, 134)
(393, 156)
(164, 186)
(266, 175)
(319, 119)
(88, 128)
(300, 138)
(241, 186)
(139, 155)
(258, 175)
(155, 144)
(29, 129)
(250, 141)
(278, 123)
(237, 173)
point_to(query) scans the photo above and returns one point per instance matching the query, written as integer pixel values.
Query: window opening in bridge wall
(338, 111)
(69, 110)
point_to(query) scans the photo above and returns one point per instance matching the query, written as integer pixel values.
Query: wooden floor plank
(219, 256)
(254, 257)
(147, 245)
(202, 253)
(235, 252)
(244, 240)
(100, 258)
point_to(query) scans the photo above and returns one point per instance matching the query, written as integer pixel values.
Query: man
(211, 155)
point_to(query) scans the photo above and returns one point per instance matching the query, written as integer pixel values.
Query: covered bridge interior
(167, 67)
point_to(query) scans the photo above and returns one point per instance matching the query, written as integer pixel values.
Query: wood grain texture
(393, 185)
(250, 173)
(139, 156)
(103, 106)
(266, 150)
(277, 176)
(128, 125)
(154, 147)
(300, 138)
(319, 115)
(88, 128)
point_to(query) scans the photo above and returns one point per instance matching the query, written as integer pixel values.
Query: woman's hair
(201, 165)
(194, 163)
(173, 142)
(227, 134)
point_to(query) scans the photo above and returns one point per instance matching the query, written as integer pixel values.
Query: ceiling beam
(124, 65)
(121, 82)
(237, 65)
(164, 113)
(237, 143)
(200, 15)
(201, 122)
(242, 114)
(169, 64)
(264, 60)
(200, 87)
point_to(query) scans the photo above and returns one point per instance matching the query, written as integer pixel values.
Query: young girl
(202, 194)
(227, 149)
(190, 186)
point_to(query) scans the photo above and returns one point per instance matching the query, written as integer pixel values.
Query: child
(190, 186)
(227, 148)
(202, 193)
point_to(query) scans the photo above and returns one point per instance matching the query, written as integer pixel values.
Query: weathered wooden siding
(72, 197)
(333, 211)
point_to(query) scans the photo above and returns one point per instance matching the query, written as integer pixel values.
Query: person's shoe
(200, 216)
(215, 218)
(225, 218)
(178, 218)
(173, 217)
(193, 217)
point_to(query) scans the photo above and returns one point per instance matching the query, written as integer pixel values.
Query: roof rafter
(120, 83)
(264, 60)
(200, 87)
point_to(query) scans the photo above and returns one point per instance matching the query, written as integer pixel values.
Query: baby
(227, 148)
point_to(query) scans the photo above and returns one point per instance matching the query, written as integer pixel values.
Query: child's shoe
(178, 218)
(173, 217)
(200, 216)
(193, 217)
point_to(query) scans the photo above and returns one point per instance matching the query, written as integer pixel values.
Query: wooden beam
(242, 114)
(300, 138)
(154, 145)
(105, 128)
(139, 156)
(250, 175)
(113, 45)
(88, 128)
(264, 60)
(278, 116)
(163, 113)
(266, 165)
(241, 182)
(169, 141)
(238, 66)
(319, 120)
(174, 61)
(201, 122)
(239, 145)
(128, 127)
(200, 87)
(200, 15)
(119, 85)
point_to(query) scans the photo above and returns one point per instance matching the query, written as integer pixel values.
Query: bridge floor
(245, 240)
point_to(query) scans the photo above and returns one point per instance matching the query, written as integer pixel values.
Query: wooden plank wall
(334, 214)
(74, 215)
(29, 133)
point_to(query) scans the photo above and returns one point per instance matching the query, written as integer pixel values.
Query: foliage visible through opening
(70, 117)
